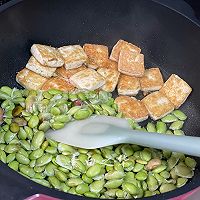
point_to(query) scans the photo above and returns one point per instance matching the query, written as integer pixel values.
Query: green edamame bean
(7, 90)
(138, 167)
(81, 114)
(159, 169)
(44, 126)
(64, 187)
(97, 186)
(145, 155)
(4, 95)
(22, 134)
(35, 154)
(38, 139)
(190, 162)
(33, 122)
(41, 181)
(28, 171)
(22, 159)
(51, 150)
(110, 110)
(72, 182)
(9, 136)
(130, 188)
(166, 187)
(14, 127)
(50, 169)
(23, 152)
(63, 161)
(61, 176)
(94, 170)
(114, 183)
(169, 118)
(11, 148)
(176, 125)
(25, 144)
(14, 165)
(113, 174)
(57, 125)
(91, 194)
(181, 182)
(141, 175)
(151, 127)
(86, 179)
(127, 150)
(178, 132)
(54, 182)
(152, 183)
(29, 132)
(43, 160)
(62, 118)
(2, 156)
(79, 166)
(82, 188)
(180, 115)
(161, 127)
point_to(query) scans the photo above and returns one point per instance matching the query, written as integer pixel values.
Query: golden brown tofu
(97, 55)
(110, 64)
(74, 56)
(111, 76)
(132, 108)
(131, 63)
(42, 70)
(158, 105)
(176, 90)
(87, 79)
(152, 80)
(58, 83)
(46, 55)
(128, 85)
(30, 80)
(121, 44)
(67, 73)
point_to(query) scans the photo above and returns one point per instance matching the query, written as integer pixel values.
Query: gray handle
(185, 144)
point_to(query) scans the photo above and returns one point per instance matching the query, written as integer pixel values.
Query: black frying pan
(167, 39)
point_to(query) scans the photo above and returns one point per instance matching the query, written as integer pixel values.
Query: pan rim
(177, 192)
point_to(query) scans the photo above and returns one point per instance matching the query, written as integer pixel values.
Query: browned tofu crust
(176, 90)
(67, 73)
(128, 85)
(73, 55)
(87, 79)
(111, 77)
(30, 80)
(158, 105)
(152, 80)
(58, 83)
(110, 64)
(121, 44)
(132, 108)
(97, 55)
(131, 63)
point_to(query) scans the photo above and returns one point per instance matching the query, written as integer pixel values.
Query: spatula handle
(185, 144)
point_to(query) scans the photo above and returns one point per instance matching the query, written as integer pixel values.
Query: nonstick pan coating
(167, 40)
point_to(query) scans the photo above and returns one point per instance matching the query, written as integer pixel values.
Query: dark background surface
(177, 4)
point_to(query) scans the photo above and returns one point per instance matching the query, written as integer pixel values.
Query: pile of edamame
(120, 171)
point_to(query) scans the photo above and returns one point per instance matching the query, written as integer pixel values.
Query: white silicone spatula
(100, 131)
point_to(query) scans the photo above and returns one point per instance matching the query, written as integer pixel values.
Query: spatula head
(94, 132)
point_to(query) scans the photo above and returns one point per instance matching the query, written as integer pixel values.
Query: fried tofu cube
(46, 55)
(87, 79)
(158, 105)
(128, 85)
(110, 64)
(152, 80)
(131, 63)
(74, 56)
(176, 90)
(58, 83)
(42, 70)
(30, 80)
(111, 76)
(132, 108)
(121, 44)
(67, 73)
(97, 55)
